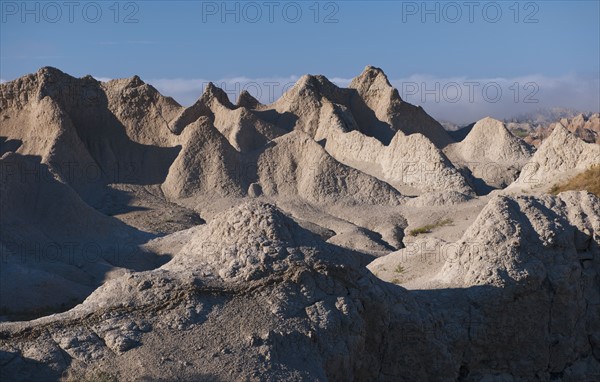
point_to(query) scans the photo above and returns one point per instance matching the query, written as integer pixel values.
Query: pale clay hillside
(336, 234)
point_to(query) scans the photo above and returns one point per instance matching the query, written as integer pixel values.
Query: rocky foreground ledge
(254, 296)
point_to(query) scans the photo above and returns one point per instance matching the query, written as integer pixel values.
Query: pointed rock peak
(308, 81)
(89, 78)
(326, 86)
(490, 138)
(324, 81)
(247, 100)
(373, 70)
(135, 81)
(369, 77)
(559, 132)
(253, 220)
(213, 92)
(267, 236)
(489, 120)
(579, 119)
(314, 85)
(489, 125)
(314, 80)
(49, 70)
(255, 215)
(49, 74)
(306, 88)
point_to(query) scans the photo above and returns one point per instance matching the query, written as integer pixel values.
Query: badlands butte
(336, 234)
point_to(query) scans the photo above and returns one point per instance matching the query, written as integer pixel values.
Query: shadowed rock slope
(318, 314)
(522, 284)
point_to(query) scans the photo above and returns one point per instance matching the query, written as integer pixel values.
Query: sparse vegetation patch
(428, 227)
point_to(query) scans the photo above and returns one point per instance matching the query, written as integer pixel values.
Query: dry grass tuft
(427, 228)
(588, 180)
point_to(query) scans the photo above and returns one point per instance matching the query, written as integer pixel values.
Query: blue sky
(179, 45)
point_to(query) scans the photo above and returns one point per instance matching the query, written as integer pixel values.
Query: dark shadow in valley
(460, 134)
(74, 257)
(120, 159)
(285, 121)
(16, 367)
(9, 145)
(478, 185)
